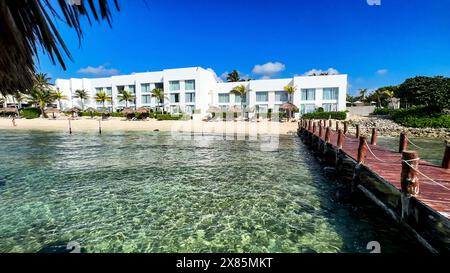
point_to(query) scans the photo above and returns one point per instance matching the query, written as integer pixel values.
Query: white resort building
(195, 90)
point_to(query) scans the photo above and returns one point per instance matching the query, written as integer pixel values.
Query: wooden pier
(412, 191)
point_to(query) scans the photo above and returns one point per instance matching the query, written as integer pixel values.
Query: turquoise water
(148, 192)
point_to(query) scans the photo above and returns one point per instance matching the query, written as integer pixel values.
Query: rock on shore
(387, 127)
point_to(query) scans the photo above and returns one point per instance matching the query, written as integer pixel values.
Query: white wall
(207, 89)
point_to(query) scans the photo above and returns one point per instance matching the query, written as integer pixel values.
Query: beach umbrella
(127, 111)
(214, 109)
(142, 110)
(52, 111)
(91, 110)
(289, 107)
(235, 109)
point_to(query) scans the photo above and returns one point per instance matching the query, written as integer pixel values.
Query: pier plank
(435, 195)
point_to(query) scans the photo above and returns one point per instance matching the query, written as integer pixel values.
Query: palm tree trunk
(60, 106)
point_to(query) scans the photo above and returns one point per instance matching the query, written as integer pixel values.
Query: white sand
(119, 124)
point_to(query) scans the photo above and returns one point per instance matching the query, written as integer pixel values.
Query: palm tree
(290, 90)
(41, 97)
(240, 91)
(126, 96)
(31, 25)
(158, 93)
(362, 93)
(58, 95)
(102, 97)
(82, 95)
(233, 76)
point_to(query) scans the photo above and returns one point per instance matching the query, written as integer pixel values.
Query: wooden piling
(327, 135)
(358, 133)
(330, 123)
(70, 127)
(309, 125)
(403, 142)
(99, 126)
(320, 130)
(374, 139)
(337, 125)
(362, 150)
(340, 139)
(314, 128)
(446, 159)
(345, 128)
(409, 177)
(324, 123)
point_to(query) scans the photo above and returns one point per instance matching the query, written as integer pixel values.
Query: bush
(30, 113)
(168, 117)
(382, 111)
(325, 115)
(421, 117)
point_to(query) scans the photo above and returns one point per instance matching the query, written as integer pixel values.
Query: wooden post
(309, 125)
(70, 127)
(327, 135)
(320, 130)
(337, 125)
(374, 139)
(99, 126)
(362, 149)
(446, 159)
(357, 131)
(314, 128)
(340, 140)
(403, 142)
(409, 178)
(330, 123)
(345, 128)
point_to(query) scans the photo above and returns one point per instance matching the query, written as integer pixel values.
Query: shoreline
(119, 124)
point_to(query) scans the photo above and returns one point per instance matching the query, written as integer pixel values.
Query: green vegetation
(325, 115)
(418, 117)
(30, 113)
(168, 117)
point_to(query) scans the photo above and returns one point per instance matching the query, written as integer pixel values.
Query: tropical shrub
(325, 115)
(168, 117)
(30, 113)
(383, 111)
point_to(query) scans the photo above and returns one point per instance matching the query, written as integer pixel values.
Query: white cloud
(382, 72)
(329, 71)
(264, 78)
(100, 70)
(268, 69)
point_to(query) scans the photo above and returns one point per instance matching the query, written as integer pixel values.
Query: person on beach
(14, 121)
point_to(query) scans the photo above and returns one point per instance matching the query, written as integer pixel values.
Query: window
(145, 88)
(262, 96)
(98, 89)
(120, 88)
(189, 85)
(237, 99)
(308, 94)
(190, 97)
(174, 98)
(330, 107)
(109, 91)
(281, 96)
(159, 85)
(189, 109)
(132, 89)
(307, 108)
(224, 98)
(330, 93)
(146, 99)
(174, 85)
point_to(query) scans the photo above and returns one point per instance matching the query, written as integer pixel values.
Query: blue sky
(374, 45)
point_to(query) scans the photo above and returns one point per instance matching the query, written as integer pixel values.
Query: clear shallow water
(146, 192)
(429, 149)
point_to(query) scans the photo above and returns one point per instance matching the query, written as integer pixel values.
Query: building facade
(195, 90)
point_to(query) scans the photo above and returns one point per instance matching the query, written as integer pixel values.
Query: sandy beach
(119, 124)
